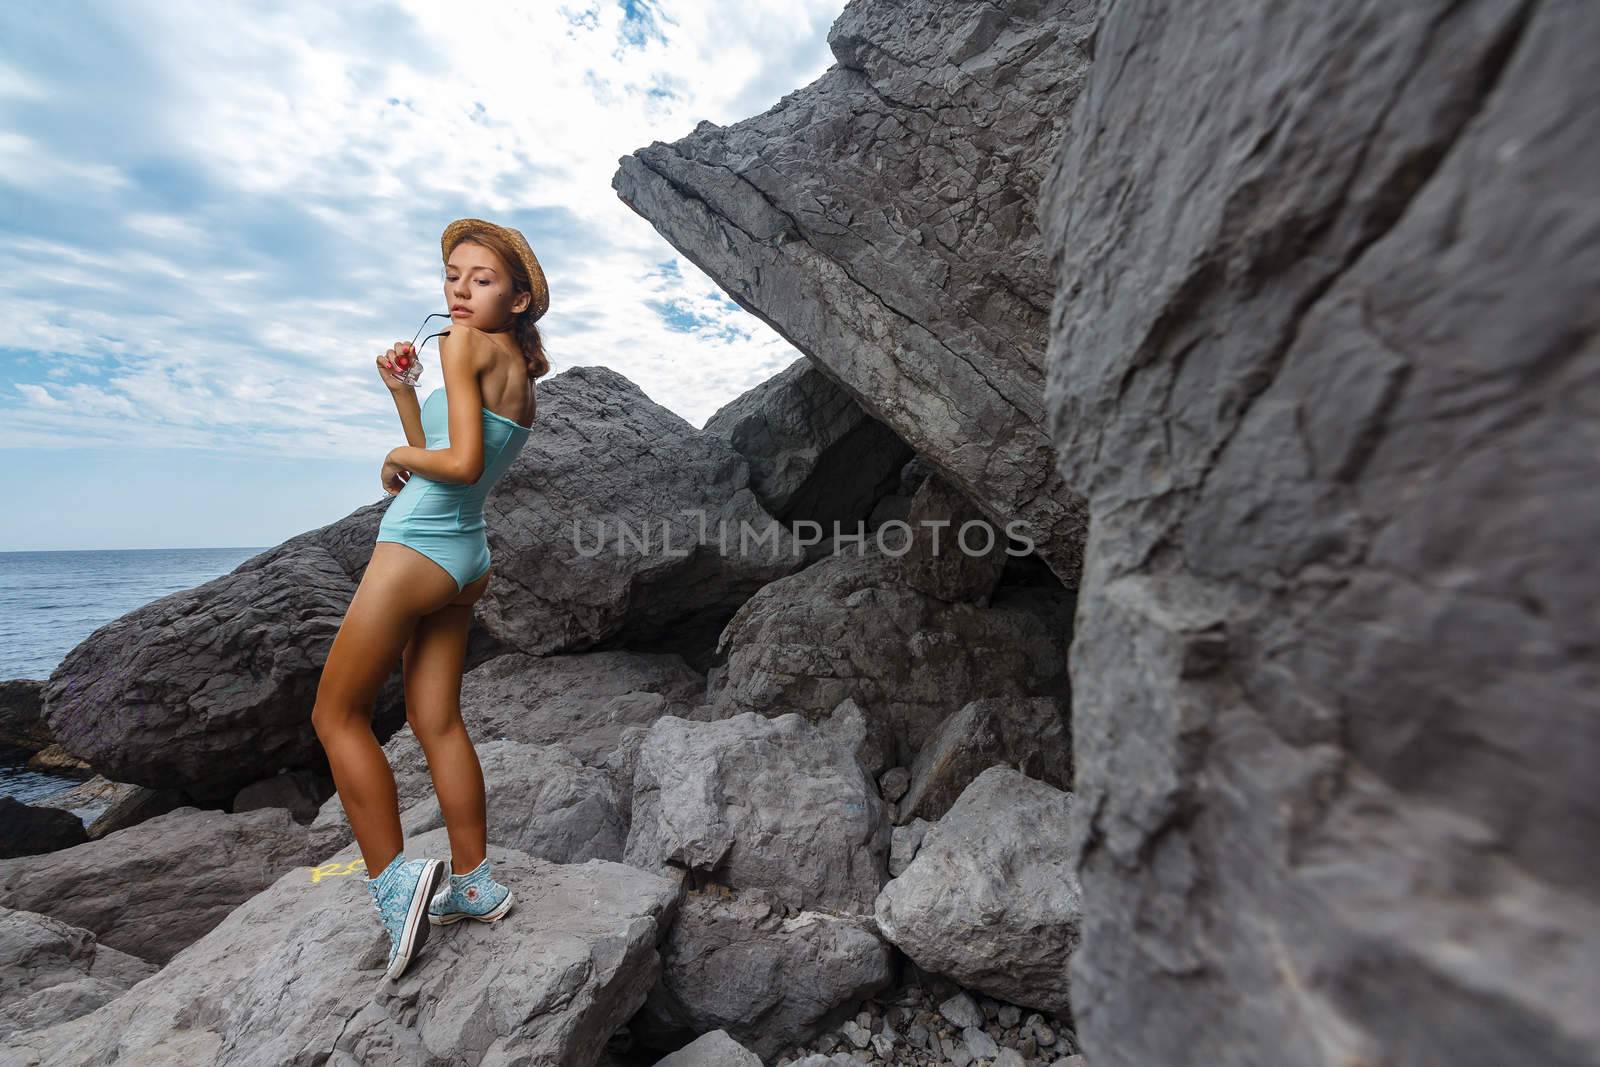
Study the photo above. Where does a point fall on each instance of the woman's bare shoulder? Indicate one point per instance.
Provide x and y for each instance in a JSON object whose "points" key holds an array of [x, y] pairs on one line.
{"points": [[471, 341]]}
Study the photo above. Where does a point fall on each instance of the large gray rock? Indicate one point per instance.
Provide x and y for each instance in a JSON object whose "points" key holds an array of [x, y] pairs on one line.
{"points": [[851, 627], [153, 888], [29, 830], [620, 523], [760, 803], [882, 219], [814, 454], [22, 722], [51, 971], [211, 688], [715, 1049], [583, 702], [991, 899], [770, 981], [1325, 363], [295, 975]]}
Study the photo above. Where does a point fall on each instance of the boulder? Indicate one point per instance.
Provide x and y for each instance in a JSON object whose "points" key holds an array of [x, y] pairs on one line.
{"points": [[760, 803], [152, 889], [620, 524], [734, 962], [850, 626], [51, 971], [301, 792], [211, 688], [549, 983], [951, 550], [28, 830], [715, 1049], [814, 454], [104, 805], [22, 722], [1323, 360], [903, 845], [582, 701], [1034, 736], [991, 899], [56, 758], [865, 735], [882, 219]]}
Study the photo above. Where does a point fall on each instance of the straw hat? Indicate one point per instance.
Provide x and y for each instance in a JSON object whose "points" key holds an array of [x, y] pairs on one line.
{"points": [[460, 228]]}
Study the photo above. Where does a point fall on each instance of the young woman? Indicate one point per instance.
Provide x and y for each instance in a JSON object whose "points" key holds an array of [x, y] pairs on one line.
{"points": [[429, 565]]}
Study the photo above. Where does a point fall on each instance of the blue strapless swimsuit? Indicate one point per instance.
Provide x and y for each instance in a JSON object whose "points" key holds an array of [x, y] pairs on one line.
{"points": [[444, 520]]}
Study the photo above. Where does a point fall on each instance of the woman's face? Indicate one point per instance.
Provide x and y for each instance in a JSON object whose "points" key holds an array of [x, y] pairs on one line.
{"points": [[477, 289]]}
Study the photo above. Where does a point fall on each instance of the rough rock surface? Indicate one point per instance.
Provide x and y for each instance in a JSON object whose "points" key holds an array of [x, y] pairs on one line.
{"points": [[546, 984], [814, 454], [882, 219], [904, 843], [22, 722], [715, 1049], [1324, 361], [582, 701], [301, 792], [991, 899], [739, 964], [104, 805], [850, 627], [950, 550], [591, 540], [866, 736], [1033, 736], [51, 971], [760, 803], [153, 888], [29, 830]]}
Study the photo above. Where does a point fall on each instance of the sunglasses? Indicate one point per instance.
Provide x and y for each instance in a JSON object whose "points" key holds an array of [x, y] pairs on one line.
{"points": [[414, 372]]}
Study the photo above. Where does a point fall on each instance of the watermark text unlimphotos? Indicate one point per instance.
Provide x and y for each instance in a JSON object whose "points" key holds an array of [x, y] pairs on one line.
{"points": [[895, 537]]}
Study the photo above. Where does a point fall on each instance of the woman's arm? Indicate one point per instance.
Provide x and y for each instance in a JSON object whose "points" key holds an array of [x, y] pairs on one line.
{"points": [[405, 402], [464, 353]]}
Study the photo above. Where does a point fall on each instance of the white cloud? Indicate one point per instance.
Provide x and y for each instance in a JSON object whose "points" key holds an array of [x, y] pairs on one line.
{"points": [[270, 221], [27, 164]]}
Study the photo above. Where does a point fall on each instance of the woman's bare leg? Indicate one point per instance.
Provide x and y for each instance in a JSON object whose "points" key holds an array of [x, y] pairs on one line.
{"points": [[433, 665], [400, 586]]}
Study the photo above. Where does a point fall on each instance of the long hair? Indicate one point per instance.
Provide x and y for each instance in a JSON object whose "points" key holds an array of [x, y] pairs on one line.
{"points": [[525, 330]]}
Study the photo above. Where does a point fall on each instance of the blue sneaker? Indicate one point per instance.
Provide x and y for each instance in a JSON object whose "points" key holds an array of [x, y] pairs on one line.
{"points": [[474, 895], [400, 895]]}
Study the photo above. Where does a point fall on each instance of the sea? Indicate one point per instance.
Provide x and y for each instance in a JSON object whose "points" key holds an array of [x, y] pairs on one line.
{"points": [[50, 601]]}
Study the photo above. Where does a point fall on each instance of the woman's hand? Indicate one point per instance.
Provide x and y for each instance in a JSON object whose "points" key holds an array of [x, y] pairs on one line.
{"points": [[388, 366], [393, 477]]}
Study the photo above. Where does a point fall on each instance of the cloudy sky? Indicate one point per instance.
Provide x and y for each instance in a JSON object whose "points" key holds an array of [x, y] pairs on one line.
{"points": [[213, 217]]}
